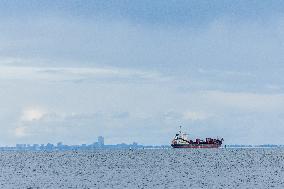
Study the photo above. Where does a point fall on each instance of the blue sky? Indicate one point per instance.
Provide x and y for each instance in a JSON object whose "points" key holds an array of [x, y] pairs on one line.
{"points": [[136, 70]]}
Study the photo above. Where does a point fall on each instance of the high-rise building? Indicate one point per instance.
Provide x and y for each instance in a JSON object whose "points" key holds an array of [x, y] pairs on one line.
{"points": [[101, 141]]}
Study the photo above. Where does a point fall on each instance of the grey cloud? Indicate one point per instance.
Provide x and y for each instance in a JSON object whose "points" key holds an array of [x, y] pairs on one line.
{"points": [[103, 74]]}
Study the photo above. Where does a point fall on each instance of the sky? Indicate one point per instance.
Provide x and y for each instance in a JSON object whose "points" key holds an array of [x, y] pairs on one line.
{"points": [[133, 71]]}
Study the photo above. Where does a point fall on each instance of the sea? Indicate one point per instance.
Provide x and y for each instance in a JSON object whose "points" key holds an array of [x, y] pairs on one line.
{"points": [[145, 168]]}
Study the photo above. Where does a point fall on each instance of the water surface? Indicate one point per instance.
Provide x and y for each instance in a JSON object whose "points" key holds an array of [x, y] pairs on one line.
{"points": [[169, 168]]}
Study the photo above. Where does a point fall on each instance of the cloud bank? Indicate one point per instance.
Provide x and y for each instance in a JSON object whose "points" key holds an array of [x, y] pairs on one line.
{"points": [[70, 71]]}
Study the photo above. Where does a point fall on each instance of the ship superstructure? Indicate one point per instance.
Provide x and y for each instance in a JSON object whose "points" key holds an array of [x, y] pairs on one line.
{"points": [[181, 140]]}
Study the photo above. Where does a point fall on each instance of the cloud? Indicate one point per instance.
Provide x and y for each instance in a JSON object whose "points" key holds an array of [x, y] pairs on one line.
{"points": [[196, 116], [20, 131], [245, 101], [36, 121], [78, 73], [32, 114], [100, 73]]}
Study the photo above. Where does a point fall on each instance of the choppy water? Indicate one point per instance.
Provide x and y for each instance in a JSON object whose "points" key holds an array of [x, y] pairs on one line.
{"points": [[172, 168]]}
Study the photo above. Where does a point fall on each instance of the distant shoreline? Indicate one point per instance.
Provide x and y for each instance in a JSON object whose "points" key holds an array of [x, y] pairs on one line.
{"points": [[134, 146]]}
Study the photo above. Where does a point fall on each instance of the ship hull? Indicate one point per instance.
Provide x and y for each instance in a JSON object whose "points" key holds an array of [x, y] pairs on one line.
{"points": [[196, 145]]}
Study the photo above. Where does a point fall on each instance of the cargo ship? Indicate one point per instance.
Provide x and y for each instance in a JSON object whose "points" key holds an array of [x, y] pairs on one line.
{"points": [[181, 140]]}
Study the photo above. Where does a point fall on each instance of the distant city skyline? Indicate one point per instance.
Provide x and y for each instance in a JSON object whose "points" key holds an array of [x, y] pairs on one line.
{"points": [[136, 70], [100, 145]]}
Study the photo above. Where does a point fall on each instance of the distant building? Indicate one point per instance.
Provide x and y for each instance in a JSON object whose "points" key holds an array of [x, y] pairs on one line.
{"points": [[101, 141], [21, 146], [59, 144], [49, 147], [35, 147]]}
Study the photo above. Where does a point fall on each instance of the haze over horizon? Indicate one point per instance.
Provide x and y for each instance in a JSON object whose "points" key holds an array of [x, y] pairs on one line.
{"points": [[136, 70]]}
